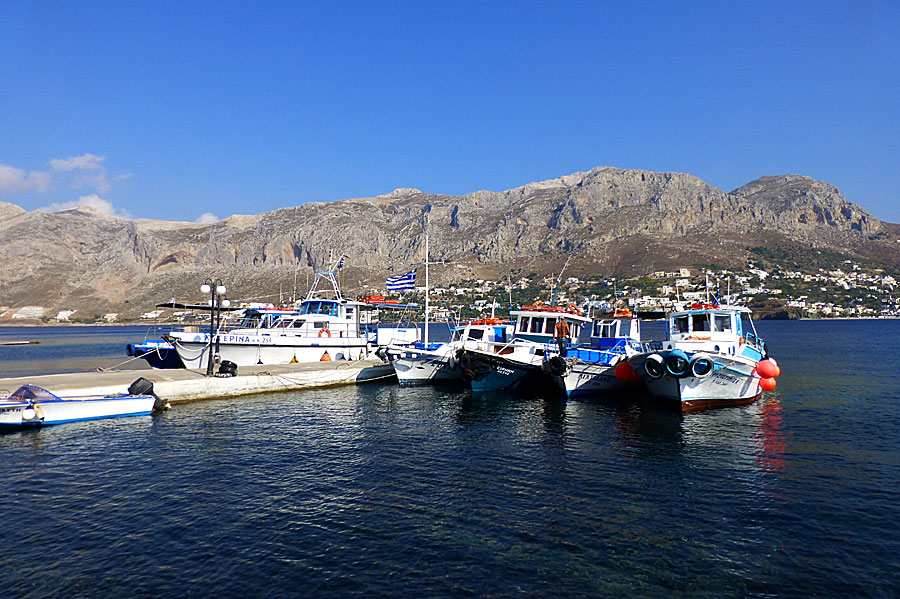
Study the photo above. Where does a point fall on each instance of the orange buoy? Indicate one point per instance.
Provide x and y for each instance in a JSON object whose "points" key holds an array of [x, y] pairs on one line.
{"points": [[767, 384], [325, 357]]}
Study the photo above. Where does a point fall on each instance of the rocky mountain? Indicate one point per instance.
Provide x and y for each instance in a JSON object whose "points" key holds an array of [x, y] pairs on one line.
{"points": [[609, 221]]}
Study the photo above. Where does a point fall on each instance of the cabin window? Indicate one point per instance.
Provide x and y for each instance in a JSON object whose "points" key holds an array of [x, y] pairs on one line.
{"points": [[723, 322], [701, 322], [605, 329], [537, 325], [625, 328], [523, 324], [251, 322], [680, 324], [321, 324], [746, 325], [476, 333], [349, 312], [298, 323]]}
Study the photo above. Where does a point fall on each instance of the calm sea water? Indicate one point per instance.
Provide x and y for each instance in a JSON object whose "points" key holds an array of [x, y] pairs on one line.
{"points": [[379, 491]]}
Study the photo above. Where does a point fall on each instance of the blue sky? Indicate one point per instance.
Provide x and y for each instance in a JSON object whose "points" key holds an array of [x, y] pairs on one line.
{"points": [[183, 109]]}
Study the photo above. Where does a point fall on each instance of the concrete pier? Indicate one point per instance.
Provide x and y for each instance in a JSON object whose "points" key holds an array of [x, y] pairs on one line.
{"points": [[181, 385]]}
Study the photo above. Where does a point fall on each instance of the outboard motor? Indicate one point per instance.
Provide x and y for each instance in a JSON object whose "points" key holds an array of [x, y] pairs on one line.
{"points": [[144, 387]]}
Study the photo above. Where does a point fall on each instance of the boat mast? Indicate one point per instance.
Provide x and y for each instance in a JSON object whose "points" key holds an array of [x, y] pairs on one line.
{"points": [[426, 282], [559, 280]]}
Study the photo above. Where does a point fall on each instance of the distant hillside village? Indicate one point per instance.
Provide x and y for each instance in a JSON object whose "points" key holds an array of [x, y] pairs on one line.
{"points": [[849, 292], [853, 293]]}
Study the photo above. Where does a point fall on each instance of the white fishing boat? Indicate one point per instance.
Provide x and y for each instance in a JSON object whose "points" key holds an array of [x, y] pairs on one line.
{"points": [[712, 356], [419, 364], [601, 366], [325, 326], [510, 365], [31, 405]]}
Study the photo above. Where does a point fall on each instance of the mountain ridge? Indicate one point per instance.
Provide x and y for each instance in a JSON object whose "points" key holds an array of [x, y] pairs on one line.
{"points": [[611, 221]]}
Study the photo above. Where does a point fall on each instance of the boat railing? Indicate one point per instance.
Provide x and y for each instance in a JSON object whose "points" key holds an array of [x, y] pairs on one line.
{"points": [[332, 330]]}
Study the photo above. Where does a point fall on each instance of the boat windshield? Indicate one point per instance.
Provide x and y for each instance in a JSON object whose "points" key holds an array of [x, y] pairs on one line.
{"points": [[32, 393], [317, 307], [251, 321]]}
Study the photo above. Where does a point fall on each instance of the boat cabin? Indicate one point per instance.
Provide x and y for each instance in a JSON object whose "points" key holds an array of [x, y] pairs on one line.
{"points": [[537, 323], [609, 332], [722, 329]]}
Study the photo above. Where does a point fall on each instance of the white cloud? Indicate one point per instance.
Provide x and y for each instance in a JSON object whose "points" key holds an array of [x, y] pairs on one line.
{"points": [[93, 202], [98, 182], [85, 162], [15, 179], [207, 218]]}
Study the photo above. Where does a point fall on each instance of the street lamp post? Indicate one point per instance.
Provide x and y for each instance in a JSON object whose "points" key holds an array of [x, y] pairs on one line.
{"points": [[216, 291]]}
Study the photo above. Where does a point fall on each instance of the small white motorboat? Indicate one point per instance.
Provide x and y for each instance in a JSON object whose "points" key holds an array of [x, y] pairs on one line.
{"points": [[31, 405]]}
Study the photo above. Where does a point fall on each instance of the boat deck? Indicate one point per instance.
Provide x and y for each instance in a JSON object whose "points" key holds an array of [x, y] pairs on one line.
{"points": [[181, 385]]}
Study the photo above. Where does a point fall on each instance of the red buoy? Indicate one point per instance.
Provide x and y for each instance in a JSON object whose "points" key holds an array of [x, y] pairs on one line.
{"points": [[623, 371], [767, 369], [767, 384]]}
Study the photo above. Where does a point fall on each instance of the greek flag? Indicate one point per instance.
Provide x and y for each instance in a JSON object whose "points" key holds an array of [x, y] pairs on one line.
{"points": [[407, 281]]}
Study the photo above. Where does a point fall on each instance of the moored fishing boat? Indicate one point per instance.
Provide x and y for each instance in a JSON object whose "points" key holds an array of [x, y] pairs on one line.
{"points": [[418, 364], [519, 361], [712, 356], [601, 366], [32, 406]]}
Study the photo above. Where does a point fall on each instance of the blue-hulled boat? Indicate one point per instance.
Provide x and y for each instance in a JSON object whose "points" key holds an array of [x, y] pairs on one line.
{"points": [[159, 353]]}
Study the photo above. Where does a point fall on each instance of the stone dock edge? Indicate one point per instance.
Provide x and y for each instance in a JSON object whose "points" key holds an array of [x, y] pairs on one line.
{"points": [[182, 385]]}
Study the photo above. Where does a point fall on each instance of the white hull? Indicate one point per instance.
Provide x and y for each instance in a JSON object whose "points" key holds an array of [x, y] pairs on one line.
{"points": [[16, 413], [590, 379], [733, 382], [419, 367], [251, 350]]}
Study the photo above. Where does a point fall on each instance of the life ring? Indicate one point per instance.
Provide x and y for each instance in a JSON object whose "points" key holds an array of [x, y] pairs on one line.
{"points": [[324, 331], [699, 337], [576, 310]]}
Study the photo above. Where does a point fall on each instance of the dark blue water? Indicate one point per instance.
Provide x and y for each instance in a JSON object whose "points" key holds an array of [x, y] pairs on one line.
{"points": [[379, 491], [64, 349]]}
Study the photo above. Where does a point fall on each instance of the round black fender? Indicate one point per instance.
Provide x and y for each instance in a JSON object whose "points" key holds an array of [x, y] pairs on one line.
{"points": [[702, 366], [227, 367], [557, 365], [480, 369], [653, 365], [677, 363], [464, 361]]}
